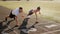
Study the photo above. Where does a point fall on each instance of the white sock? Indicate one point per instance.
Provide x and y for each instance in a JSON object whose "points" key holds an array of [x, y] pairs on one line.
{"points": [[28, 16]]}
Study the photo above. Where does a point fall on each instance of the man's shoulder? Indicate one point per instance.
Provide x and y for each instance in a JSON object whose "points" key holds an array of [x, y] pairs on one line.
{"points": [[16, 9]]}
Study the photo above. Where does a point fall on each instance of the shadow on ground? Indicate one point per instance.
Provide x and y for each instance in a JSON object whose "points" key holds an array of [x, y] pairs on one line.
{"points": [[2, 27]]}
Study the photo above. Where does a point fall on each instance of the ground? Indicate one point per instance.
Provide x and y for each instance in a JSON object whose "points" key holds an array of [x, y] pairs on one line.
{"points": [[45, 26]]}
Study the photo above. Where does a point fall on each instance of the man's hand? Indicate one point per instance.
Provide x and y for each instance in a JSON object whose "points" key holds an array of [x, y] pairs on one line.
{"points": [[22, 16], [39, 13], [17, 24]]}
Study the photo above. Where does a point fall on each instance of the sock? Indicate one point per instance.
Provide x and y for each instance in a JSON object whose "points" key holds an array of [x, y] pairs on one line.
{"points": [[5, 19]]}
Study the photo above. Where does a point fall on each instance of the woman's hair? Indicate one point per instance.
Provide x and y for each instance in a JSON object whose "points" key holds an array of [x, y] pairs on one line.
{"points": [[38, 8], [20, 8]]}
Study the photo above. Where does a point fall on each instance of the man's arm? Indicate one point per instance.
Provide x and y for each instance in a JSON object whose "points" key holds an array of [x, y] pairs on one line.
{"points": [[23, 14], [16, 20], [39, 12]]}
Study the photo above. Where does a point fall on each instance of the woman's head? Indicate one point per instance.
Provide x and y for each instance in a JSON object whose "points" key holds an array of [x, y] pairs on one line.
{"points": [[20, 9], [38, 8]]}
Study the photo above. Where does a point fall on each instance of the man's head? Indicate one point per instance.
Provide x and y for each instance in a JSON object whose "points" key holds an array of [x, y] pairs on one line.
{"points": [[20, 9], [38, 8]]}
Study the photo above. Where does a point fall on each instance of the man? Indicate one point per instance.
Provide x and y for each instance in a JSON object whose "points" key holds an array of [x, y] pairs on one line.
{"points": [[14, 14], [34, 11]]}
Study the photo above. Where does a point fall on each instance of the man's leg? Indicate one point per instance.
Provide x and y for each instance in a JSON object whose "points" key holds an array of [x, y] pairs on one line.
{"points": [[6, 18], [29, 14]]}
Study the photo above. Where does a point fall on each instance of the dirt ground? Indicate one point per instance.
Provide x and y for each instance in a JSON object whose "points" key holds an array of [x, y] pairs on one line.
{"points": [[44, 26]]}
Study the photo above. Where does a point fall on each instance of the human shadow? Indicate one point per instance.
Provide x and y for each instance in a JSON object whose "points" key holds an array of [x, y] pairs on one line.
{"points": [[24, 24], [11, 29], [2, 27]]}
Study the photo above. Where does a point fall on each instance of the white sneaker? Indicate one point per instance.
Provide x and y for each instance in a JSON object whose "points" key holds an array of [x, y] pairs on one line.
{"points": [[4, 33], [25, 30], [33, 30]]}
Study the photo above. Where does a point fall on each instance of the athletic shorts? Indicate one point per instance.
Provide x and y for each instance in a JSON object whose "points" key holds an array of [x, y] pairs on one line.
{"points": [[30, 13], [11, 15]]}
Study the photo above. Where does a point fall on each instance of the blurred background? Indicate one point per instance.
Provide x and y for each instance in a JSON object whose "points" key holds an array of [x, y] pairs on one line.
{"points": [[50, 9], [29, 0]]}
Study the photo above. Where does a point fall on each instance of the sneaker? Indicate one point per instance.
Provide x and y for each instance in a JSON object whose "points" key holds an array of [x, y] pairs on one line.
{"points": [[16, 25], [25, 30], [33, 29], [5, 19]]}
